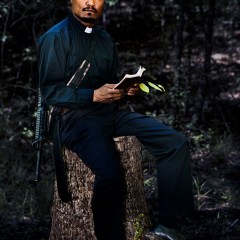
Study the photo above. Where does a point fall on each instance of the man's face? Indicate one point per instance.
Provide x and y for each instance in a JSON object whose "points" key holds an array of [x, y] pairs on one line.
{"points": [[87, 11]]}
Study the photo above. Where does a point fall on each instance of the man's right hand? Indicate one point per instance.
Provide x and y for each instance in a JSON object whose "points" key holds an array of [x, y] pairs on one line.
{"points": [[107, 94]]}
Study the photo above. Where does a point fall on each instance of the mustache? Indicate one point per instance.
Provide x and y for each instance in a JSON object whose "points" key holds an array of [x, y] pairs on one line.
{"points": [[92, 9]]}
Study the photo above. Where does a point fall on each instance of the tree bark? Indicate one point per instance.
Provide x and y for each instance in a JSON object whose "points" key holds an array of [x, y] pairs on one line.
{"points": [[74, 220], [179, 44], [202, 89]]}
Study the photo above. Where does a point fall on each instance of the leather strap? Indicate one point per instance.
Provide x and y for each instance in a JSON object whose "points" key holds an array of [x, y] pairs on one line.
{"points": [[61, 177]]}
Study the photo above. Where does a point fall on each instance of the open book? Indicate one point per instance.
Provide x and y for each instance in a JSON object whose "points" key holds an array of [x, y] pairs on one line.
{"points": [[130, 79]]}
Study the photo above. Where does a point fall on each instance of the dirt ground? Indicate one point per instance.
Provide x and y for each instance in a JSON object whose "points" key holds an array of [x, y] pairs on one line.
{"points": [[217, 206]]}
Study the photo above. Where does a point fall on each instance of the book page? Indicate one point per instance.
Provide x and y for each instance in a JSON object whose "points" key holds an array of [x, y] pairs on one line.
{"points": [[130, 79]]}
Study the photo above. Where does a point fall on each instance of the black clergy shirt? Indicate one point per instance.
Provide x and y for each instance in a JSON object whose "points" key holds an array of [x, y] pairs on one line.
{"points": [[60, 52]]}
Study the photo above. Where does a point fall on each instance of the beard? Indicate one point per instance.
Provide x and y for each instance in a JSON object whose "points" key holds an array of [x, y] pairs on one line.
{"points": [[87, 19]]}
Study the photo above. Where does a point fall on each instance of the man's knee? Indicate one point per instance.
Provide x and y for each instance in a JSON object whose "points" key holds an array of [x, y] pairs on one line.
{"points": [[180, 140], [178, 144], [170, 144]]}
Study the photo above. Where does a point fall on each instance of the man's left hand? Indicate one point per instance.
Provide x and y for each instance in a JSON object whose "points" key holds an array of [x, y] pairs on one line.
{"points": [[134, 90]]}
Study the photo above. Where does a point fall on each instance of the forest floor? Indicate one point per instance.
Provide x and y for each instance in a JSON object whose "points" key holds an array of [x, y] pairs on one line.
{"points": [[217, 205]]}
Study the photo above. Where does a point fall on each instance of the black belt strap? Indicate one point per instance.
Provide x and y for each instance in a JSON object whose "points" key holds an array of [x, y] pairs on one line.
{"points": [[61, 177]]}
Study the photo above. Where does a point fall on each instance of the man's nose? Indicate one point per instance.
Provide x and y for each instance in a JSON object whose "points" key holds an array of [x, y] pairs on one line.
{"points": [[90, 2]]}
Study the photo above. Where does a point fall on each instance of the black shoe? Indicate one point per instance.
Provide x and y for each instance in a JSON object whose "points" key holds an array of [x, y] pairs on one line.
{"points": [[168, 233]]}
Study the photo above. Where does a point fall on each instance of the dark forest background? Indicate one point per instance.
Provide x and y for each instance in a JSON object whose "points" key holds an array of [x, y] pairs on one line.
{"points": [[192, 48]]}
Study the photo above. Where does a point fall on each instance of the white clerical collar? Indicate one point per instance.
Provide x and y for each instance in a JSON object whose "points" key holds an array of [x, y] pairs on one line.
{"points": [[88, 30]]}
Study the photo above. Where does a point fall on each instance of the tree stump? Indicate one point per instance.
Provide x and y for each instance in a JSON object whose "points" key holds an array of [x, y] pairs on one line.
{"points": [[74, 220]]}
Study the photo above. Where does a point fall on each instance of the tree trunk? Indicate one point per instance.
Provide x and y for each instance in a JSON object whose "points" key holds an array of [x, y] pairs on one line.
{"points": [[208, 31], [179, 44], [74, 220]]}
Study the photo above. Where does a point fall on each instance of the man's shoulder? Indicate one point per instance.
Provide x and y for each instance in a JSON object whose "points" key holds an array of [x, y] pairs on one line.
{"points": [[58, 30]]}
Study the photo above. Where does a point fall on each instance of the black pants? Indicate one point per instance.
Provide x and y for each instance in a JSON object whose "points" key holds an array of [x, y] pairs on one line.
{"points": [[90, 134]]}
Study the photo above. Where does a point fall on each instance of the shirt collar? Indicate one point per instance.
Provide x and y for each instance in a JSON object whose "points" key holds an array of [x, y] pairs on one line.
{"points": [[80, 26], [88, 30]]}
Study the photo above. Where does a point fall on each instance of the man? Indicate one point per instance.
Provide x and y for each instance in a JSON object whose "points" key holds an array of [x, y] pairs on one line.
{"points": [[91, 118]]}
